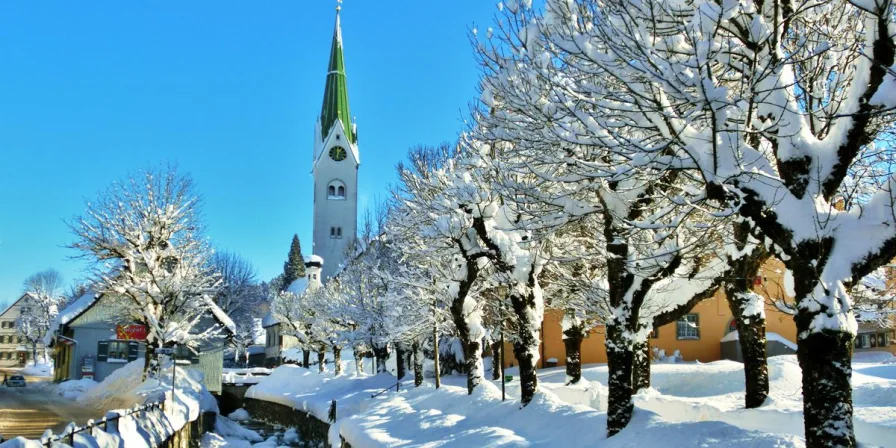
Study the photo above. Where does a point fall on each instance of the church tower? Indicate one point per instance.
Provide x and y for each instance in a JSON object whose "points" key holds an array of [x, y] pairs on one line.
{"points": [[335, 168]]}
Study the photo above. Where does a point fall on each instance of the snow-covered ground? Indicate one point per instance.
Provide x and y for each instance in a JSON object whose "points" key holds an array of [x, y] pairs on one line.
{"points": [[690, 404], [715, 392]]}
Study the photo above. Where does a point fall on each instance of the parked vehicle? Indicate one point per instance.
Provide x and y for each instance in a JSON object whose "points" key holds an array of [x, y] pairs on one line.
{"points": [[15, 381]]}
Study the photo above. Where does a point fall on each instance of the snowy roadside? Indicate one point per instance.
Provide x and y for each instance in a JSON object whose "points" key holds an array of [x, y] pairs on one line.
{"points": [[689, 404], [122, 390]]}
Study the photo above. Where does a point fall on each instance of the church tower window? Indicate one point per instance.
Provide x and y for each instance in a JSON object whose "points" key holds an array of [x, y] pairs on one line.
{"points": [[336, 190], [335, 232]]}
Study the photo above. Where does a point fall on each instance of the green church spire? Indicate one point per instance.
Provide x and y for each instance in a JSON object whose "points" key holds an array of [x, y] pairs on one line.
{"points": [[336, 91]]}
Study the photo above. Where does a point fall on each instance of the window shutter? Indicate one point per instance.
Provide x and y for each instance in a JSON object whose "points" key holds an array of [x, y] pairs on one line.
{"points": [[102, 351], [697, 324], [133, 348], [194, 356]]}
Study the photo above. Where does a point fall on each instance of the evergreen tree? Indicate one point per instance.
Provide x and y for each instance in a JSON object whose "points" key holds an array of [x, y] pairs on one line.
{"points": [[294, 267]]}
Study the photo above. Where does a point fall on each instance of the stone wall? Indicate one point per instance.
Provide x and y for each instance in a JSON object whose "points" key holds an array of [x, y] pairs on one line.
{"points": [[310, 428], [190, 435]]}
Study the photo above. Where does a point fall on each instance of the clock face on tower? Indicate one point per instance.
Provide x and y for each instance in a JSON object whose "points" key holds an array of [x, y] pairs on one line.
{"points": [[337, 153]]}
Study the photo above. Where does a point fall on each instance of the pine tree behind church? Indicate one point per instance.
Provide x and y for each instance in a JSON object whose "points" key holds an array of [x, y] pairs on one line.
{"points": [[294, 267]]}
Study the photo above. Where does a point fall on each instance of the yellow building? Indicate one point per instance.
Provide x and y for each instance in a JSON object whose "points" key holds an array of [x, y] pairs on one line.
{"points": [[698, 335]]}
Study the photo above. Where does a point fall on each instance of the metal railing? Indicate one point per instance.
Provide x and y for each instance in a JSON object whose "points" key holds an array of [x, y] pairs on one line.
{"points": [[396, 386], [71, 431]]}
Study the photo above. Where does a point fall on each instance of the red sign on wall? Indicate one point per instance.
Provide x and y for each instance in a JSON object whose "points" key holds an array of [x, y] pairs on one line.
{"points": [[133, 332]]}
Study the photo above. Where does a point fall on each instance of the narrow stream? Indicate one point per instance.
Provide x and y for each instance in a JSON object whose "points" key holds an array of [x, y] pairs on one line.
{"points": [[284, 436]]}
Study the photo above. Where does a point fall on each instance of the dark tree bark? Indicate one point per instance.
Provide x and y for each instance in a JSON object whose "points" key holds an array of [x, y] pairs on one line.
{"points": [[641, 366], [399, 362], [825, 357], [497, 362], [528, 322], [381, 352], [620, 359], [750, 325], [337, 360], [417, 350], [306, 358], [472, 347], [321, 361], [572, 340], [527, 341]]}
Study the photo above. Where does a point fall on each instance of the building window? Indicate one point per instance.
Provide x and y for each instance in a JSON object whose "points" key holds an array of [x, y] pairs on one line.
{"points": [[186, 354], [688, 327], [117, 351], [862, 341], [335, 232], [655, 333], [336, 190]]}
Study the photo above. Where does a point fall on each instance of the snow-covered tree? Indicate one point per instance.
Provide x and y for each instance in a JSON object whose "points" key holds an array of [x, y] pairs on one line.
{"points": [[766, 104], [241, 297], [432, 222], [43, 292], [144, 238]]}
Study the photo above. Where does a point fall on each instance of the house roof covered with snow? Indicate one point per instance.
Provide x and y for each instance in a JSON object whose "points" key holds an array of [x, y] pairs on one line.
{"points": [[269, 320], [71, 312], [298, 286]]}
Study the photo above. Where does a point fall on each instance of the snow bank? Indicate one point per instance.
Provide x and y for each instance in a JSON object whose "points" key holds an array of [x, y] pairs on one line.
{"points": [[683, 393], [448, 416], [733, 336], [312, 392], [228, 428], [41, 369], [119, 389], [142, 429], [73, 389], [239, 415]]}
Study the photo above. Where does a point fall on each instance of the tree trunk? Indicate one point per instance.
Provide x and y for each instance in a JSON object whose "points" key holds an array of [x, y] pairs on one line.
{"points": [[381, 352], [826, 360], [337, 360], [306, 358], [497, 362], [749, 316], [418, 363], [472, 347], [34, 354], [572, 340], [359, 361], [321, 361], [641, 366], [752, 341], [399, 362], [620, 360], [435, 356], [528, 339], [825, 354], [471, 343]]}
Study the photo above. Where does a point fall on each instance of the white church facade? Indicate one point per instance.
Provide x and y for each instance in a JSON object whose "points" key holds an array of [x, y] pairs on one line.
{"points": [[335, 166]]}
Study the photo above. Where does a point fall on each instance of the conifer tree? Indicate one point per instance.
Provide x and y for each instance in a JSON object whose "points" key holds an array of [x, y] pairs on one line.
{"points": [[294, 267]]}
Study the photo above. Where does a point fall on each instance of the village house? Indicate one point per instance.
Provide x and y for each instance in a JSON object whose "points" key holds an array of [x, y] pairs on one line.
{"points": [[94, 336], [280, 347], [708, 332], [13, 352]]}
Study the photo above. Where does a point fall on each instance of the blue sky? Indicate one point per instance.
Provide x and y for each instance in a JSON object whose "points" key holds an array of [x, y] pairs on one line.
{"points": [[228, 90]]}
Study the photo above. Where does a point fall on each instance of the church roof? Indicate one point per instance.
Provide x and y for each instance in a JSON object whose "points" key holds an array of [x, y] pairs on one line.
{"points": [[335, 106]]}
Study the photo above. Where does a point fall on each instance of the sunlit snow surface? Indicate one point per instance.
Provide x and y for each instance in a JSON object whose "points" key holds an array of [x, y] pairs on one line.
{"points": [[690, 404]]}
